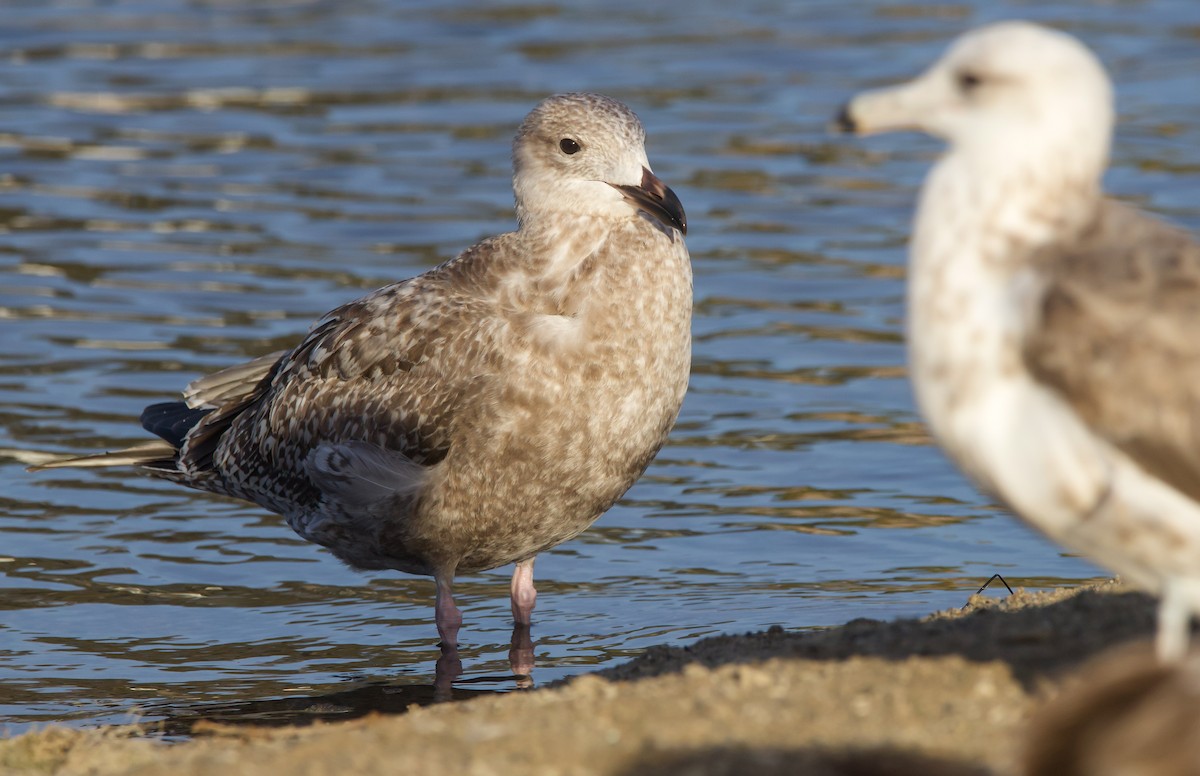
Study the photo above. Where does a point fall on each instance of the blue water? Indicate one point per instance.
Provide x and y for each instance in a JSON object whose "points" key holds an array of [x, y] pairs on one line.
{"points": [[184, 185]]}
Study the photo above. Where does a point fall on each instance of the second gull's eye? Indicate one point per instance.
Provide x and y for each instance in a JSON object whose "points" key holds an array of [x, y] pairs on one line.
{"points": [[967, 81]]}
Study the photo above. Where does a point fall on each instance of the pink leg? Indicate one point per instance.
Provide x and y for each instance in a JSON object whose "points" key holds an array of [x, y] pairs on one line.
{"points": [[446, 614], [523, 594]]}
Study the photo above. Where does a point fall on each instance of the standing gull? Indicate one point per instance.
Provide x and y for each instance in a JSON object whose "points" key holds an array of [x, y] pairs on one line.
{"points": [[1054, 334], [484, 411]]}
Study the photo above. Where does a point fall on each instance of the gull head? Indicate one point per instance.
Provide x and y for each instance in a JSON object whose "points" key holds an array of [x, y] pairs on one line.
{"points": [[1012, 95], [584, 155]]}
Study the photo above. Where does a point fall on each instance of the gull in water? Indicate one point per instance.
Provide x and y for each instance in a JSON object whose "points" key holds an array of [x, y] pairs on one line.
{"points": [[1053, 333], [482, 412]]}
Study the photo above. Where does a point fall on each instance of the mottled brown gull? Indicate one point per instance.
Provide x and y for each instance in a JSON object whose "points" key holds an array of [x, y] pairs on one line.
{"points": [[484, 411], [1054, 334]]}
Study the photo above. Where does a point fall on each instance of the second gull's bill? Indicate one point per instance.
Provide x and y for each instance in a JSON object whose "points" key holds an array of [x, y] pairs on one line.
{"points": [[480, 413], [1053, 333]]}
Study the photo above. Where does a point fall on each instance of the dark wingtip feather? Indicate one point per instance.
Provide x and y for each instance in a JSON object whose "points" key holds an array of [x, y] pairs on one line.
{"points": [[171, 420]]}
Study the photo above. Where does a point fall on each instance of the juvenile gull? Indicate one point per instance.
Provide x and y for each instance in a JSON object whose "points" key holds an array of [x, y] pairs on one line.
{"points": [[1054, 334], [484, 411]]}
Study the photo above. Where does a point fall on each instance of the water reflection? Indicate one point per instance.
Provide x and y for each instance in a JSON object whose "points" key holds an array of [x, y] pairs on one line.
{"points": [[304, 705], [303, 709], [449, 667]]}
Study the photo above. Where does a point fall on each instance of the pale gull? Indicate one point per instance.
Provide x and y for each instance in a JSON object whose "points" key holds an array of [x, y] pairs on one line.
{"points": [[1053, 334], [484, 411]]}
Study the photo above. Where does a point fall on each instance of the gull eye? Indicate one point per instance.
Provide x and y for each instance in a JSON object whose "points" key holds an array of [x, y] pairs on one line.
{"points": [[568, 146], [968, 81]]}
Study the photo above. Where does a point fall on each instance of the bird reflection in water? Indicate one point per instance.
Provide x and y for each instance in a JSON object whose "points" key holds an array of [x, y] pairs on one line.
{"points": [[520, 661], [371, 698]]}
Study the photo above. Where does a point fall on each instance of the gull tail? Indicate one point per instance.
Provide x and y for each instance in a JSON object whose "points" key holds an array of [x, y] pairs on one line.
{"points": [[155, 454], [171, 420], [188, 440]]}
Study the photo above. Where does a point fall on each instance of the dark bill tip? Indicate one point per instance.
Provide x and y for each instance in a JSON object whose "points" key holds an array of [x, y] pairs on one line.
{"points": [[843, 122], [655, 199]]}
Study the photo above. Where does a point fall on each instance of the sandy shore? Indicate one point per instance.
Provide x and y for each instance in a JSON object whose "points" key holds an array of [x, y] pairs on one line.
{"points": [[952, 693]]}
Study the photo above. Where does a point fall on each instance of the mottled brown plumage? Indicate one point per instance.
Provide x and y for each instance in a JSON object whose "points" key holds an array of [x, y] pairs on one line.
{"points": [[488, 409]]}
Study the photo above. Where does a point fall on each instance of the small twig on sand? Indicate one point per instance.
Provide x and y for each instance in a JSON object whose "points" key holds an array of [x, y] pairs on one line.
{"points": [[984, 586]]}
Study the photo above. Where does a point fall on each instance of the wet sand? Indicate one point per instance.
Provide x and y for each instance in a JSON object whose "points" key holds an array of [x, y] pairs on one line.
{"points": [[952, 693]]}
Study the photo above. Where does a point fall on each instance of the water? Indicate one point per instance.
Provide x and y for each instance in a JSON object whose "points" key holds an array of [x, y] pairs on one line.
{"points": [[184, 185]]}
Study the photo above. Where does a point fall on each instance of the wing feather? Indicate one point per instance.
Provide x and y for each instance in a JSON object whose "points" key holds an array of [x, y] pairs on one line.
{"points": [[1116, 332], [362, 475], [388, 372], [230, 385]]}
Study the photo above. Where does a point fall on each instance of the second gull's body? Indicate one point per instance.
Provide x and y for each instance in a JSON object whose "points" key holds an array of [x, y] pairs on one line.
{"points": [[1054, 334]]}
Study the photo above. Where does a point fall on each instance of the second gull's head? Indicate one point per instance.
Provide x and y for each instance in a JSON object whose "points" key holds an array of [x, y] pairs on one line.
{"points": [[1011, 95]]}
